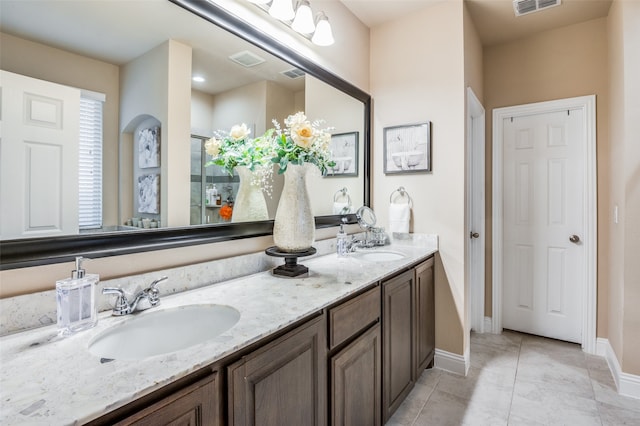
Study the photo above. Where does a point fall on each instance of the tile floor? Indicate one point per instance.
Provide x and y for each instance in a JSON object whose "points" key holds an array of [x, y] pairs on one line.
{"points": [[518, 379]]}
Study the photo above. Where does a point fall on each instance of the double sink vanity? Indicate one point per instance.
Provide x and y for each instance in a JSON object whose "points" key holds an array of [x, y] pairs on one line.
{"points": [[341, 346]]}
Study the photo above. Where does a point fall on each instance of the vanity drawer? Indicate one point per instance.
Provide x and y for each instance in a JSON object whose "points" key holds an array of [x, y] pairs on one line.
{"points": [[353, 316]]}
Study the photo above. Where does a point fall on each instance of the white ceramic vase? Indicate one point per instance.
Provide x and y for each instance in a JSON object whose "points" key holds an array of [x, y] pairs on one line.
{"points": [[294, 226], [250, 204]]}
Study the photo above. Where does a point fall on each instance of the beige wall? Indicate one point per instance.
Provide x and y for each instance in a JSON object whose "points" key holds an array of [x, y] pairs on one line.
{"points": [[416, 77], [343, 114], [47, 63], [624, 185], [556, 64]]}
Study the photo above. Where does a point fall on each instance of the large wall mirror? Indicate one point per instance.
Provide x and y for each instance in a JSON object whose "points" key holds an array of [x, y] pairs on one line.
{"points": [[137, 60]]}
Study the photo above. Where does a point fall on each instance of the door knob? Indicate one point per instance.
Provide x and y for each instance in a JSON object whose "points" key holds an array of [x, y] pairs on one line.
{"points": [[474, 235], [574, 239]]}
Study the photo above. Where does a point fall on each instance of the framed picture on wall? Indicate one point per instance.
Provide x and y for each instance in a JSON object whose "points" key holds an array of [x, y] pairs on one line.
{"points": [[344, 151], [149, 148], [149, 194], [407, 148]]}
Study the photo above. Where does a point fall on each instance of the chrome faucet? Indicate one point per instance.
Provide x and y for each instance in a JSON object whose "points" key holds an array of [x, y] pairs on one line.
{"points": [[145, 299], [356, 243]]}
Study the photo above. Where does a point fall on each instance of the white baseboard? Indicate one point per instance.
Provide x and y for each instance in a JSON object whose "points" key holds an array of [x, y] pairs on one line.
{"points": [[454, 363], [488, 325], [627, 384]]}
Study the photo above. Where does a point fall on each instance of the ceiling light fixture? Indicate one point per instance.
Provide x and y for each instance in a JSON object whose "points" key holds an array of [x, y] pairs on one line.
{"points": [[300, 19], [282, 10], [303, 22], [198, 79], [323, 35]]}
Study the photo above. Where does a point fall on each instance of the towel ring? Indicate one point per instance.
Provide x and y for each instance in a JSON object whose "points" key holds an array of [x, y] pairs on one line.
{"points": [[344, 192], [402, 193]]}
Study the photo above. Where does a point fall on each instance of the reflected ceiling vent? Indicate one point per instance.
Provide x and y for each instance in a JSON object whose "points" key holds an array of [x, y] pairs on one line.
{"points": [[246, 59], [293, 73], [524, 7]]}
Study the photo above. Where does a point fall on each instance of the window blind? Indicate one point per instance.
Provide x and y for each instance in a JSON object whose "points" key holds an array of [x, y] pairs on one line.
{"points": [[90, 159]]}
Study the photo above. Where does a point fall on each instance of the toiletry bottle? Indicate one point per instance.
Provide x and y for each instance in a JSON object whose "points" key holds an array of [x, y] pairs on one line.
{"points": [[76, 301], [217, 199], [341, 242], [207, 196]]}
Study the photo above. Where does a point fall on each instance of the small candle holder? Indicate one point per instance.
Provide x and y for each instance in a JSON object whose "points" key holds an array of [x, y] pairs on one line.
{"points": [[291, 267]]}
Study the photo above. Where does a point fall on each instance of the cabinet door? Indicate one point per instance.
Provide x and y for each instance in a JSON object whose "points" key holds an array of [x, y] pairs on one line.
{"points": [[195, 405], [284, 382], [425, 316], [398, 320], [356, 381]]}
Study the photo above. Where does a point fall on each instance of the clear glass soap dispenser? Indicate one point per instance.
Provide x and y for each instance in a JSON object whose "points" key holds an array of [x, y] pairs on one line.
{"points": [[76, 301], [341, 242]]}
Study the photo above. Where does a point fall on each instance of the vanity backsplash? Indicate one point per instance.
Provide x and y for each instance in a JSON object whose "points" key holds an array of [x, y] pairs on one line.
{"points": [[29, 311]]}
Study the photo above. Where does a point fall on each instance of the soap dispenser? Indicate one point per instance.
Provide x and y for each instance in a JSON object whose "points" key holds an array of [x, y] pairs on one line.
{"points": [[76, 301], [341, 241]]}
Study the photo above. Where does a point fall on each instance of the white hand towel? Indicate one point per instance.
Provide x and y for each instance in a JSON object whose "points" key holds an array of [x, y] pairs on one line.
{"points": [[341, 208], [399, 217]]}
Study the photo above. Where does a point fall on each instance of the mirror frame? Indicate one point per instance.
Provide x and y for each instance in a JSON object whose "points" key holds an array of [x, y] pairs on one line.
{"points": [[39, 251]]}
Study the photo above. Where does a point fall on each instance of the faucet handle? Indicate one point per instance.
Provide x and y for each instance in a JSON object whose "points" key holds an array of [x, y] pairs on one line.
{"points": [[156, 282], [154, 293], [121, 306]]}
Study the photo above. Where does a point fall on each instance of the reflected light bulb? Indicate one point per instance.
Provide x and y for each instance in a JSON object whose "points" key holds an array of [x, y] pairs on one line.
{"points": [[303, 22], [323, 35], [282, 10]]}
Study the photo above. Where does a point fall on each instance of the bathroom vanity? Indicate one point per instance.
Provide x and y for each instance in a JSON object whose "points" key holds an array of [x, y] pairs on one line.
{"points": [[341, 346]]}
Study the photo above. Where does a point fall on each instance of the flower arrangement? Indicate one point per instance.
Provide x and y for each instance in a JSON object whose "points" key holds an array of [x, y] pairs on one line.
{"points": [[302, 141], [236, 148]]}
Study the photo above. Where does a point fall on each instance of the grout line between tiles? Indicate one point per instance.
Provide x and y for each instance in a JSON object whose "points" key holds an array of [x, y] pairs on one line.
{"points": [[515, 379], [433, 389]]}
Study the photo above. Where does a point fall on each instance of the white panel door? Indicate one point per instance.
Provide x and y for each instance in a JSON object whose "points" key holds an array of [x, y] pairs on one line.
{"points": [[544, 260], [39, 132]]}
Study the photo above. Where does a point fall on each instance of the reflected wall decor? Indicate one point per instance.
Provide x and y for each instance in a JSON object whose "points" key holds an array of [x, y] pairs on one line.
{"points": [[407, 148], [344, 152], [149, 148], [149, 194]]}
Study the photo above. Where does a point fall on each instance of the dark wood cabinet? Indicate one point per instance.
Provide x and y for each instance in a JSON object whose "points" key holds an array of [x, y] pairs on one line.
{"points": [[283, 382], [195, 405], [425, 332], [355, 381], [355, 361], [353, 364], [398, 336]]}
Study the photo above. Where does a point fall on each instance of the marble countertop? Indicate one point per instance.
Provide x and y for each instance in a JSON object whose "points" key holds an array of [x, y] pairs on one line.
{"points": [[47, 379]]}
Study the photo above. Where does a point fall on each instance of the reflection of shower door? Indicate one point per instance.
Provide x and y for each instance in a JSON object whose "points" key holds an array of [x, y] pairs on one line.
{"points": [[201, 177], [198, 183]]}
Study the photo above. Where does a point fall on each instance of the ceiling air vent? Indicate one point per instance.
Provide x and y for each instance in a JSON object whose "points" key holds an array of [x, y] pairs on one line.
{"points": [[523, 7], [293, 73], [246, 59]]}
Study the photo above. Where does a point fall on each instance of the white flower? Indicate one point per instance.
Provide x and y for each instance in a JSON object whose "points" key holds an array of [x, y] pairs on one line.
{"points": [[324, 141], [302, 135], [239, 132], [212, 146], [296, 119]]}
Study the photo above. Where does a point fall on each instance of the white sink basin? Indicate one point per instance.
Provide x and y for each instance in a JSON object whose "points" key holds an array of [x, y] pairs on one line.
{"points": [[163, 331], [380, 255]]}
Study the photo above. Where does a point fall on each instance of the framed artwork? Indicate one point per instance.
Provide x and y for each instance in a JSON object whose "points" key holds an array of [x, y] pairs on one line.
{"points": [[344, 151], [149, 194], [149, 148], [407, 149]]}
